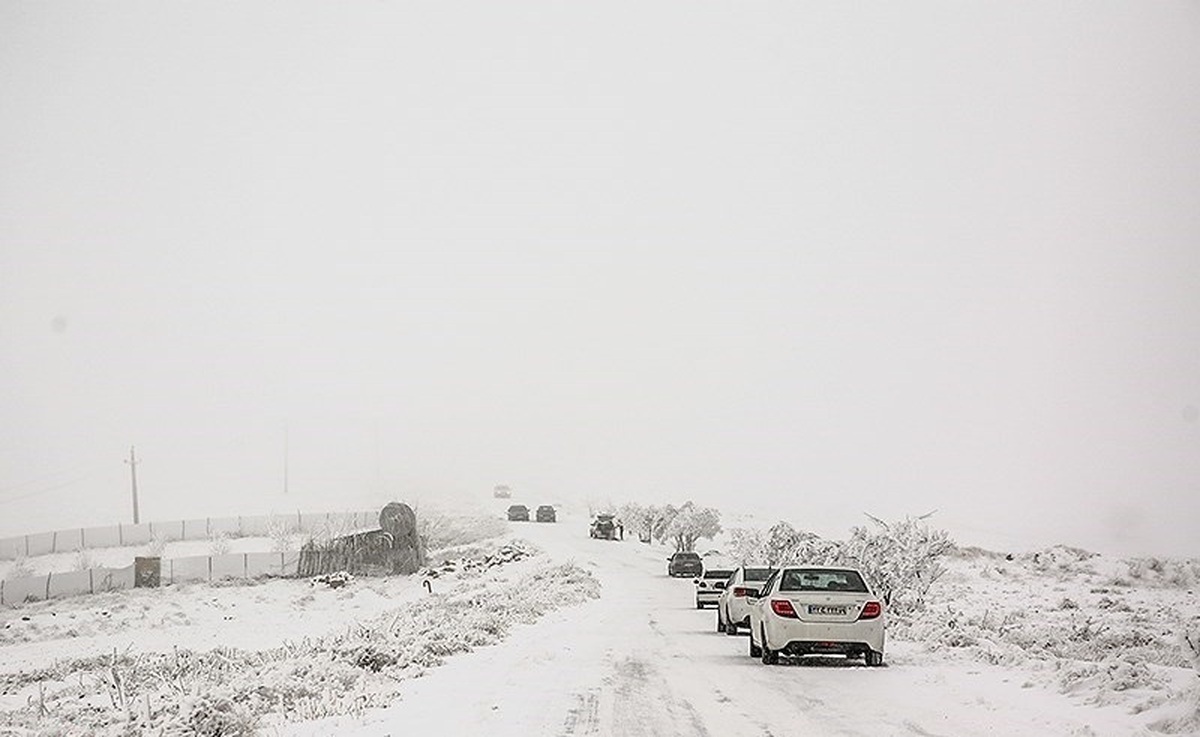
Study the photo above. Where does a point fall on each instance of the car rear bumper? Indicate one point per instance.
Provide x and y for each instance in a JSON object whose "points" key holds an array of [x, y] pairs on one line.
{"points": [[798, 648], [803, 638], [707, 597]]}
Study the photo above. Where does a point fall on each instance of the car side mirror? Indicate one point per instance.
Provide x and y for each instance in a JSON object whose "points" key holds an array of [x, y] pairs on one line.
{"points": [[696, 581]]}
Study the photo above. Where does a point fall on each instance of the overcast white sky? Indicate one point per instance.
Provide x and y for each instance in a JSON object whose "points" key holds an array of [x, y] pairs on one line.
{"points": [[806, 260]]}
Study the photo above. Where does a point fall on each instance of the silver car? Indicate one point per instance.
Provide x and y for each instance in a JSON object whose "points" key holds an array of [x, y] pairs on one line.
{"points": [[816, 610], [710, 584]]}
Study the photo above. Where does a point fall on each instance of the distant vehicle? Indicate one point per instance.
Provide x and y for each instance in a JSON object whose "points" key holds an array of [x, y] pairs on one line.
{"points": [[502, 492], [816, 610], [685, 564], [733, 611], [710, 584], [546, 513], [604, 527], [518, 513]]}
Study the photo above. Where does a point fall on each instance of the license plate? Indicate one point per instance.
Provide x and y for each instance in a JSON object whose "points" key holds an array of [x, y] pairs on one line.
{"points": [[826, 610]]}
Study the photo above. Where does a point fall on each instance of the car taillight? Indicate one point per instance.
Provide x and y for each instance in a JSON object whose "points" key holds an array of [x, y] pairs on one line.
{"points": [[871, 610], [741, 591], [783, 608]]}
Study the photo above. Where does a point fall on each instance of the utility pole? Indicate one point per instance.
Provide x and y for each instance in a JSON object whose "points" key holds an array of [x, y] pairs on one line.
{"points": [[132, 462]]}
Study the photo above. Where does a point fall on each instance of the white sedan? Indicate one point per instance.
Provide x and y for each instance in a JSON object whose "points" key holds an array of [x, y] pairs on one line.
{"points": [[816, 610], [733, 609], [710, 584]]}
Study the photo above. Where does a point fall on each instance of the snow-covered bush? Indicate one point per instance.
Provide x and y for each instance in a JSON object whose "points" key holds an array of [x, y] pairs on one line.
{"points": [[901, 559], [20, 568], [1190, 641], [439, 530]]}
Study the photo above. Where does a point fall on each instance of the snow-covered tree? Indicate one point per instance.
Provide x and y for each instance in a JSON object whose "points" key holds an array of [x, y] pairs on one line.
{"points": [[691, 523], [664, 517], [638, 519], [782, 544], [745, 545]]}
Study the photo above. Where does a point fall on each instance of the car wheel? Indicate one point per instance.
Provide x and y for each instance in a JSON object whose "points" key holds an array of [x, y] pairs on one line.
{"points": [[874, 658], [755, 650], [720, 622], [731, 628], [769, 656]]}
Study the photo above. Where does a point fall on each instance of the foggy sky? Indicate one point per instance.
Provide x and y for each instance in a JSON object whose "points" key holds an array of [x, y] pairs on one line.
{"points": [[800, 260]]}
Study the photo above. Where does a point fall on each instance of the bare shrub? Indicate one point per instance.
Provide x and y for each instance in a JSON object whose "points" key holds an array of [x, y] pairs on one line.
{"points": [[157, 545], [283, 535]]}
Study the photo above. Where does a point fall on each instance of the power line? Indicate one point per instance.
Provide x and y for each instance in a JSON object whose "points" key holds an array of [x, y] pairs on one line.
{"points": [[42, 478], [31, 494]]}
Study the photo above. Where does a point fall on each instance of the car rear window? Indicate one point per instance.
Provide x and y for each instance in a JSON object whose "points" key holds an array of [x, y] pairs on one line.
{"points": [[718, 574], [757, 574], [687, 556], [802, 579]]}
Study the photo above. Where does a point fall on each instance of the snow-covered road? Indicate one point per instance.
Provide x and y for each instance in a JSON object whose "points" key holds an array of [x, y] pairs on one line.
{"points": [[641, 660]]}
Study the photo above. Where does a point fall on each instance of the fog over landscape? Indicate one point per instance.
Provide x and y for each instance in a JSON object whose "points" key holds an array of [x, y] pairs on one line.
{"points": [[797, 262]]}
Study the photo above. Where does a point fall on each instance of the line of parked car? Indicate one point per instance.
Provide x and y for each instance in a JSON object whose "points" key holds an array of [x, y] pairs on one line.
{"points": [[520, 513], [794, 610]]}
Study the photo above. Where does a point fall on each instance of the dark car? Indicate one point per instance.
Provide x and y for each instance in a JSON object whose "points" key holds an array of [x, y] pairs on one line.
{"points": [[545, 513], [604, 527], [518, 513], [685, 564]]}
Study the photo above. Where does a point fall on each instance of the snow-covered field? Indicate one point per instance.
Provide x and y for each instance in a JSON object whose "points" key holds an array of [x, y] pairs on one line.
{"points": [[566, 635]]}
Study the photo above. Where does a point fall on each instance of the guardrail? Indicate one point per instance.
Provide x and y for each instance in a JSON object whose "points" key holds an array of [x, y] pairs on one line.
{"points": [[116, 536]]}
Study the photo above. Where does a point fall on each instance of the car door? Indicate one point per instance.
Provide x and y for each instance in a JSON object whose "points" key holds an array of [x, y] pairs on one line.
{"points": [[756, 603]]}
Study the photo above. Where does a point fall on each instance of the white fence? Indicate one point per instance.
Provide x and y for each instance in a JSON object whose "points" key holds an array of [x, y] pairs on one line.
{"points": [[174, 570], [114, 536]]}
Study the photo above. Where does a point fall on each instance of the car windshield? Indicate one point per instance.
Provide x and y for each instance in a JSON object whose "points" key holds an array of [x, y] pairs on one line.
{"points": [[687, 556], [803, 579], [757, 574], [721, 574]]}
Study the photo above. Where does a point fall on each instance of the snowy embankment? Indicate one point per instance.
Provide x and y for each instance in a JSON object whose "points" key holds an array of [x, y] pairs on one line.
{"points": [[1106, 631], [227, 659]]}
